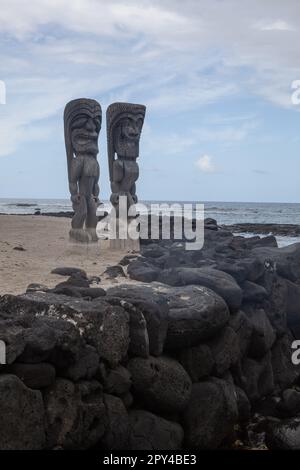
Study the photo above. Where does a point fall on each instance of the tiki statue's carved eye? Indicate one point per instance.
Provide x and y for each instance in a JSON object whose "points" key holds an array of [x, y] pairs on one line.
{"points": [[131, 129]]}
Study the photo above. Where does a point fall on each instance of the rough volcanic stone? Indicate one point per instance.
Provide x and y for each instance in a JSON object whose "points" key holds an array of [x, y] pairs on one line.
{"points": [[13, 337], [285, 259], [22, 415], [154, 251], [91, 292], [196, 314], [75, 414], [151, 305], [75, 280], [85, 367], [138, 332], [258, 380], [117, 381], [117, 431], [225, 351], [290, 403], [114, 271], [198, 361], [211, 414], [83, 292], [139, 337], [68, 271], [70, 291], [210, 224], [284, 435], [219, 281], [151, 432], [127, 259], [162, 383], [34, 376], [33, 287], [143, 272], [54, 328]]}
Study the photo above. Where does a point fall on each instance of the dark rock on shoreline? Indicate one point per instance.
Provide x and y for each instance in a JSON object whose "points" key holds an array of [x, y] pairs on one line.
{"points": [[69, 271], [275, 229], [35, 376], [161, 383], [196, 314], [149, 304], [201, 359], [22, 416], [220, 282], [210, 415], [149, 432]]}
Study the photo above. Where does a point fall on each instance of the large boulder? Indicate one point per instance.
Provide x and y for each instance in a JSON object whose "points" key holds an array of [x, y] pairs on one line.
{"points": [[149, 305], [75, 414], [196, 314], [69, 271], [198, 361], [151, 432], [284, 435], [219, 281], [117, 381], [142, 271], [117, 431], [138, 331], [87, 293], [191, 313], [49, 327], [211, 414], [286, 259], [162, 383], [85, 367], [22, 416], [34, 376], [290, 403]]}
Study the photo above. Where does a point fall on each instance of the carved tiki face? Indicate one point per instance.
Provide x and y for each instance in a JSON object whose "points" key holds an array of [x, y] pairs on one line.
{"points": [[83, 119], [124, 126]]}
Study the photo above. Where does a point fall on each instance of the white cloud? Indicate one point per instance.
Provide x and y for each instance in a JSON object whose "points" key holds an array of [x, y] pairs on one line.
{"points": [[206, 164], [173, 56], [278, 25]]}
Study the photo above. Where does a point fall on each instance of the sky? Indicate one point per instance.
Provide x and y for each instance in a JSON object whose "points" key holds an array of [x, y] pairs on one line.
{"points": [[216, 77]]}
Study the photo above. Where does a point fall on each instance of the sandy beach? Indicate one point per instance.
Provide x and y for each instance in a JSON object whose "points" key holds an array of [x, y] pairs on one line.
{"points": [[46, 245]]}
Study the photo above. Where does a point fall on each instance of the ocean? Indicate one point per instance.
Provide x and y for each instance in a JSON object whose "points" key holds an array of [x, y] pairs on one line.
{"points": [[227, 213]]}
